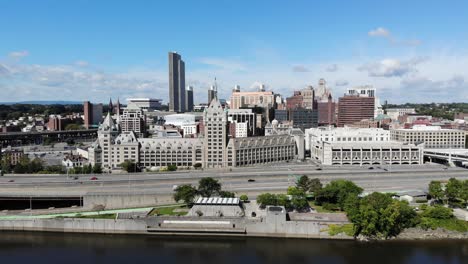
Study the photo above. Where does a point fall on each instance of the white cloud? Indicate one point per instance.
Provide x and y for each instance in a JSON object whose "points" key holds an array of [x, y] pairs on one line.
{"points": [[379, 32], [18, 54], [300, 68], [256, 85], [332, 68], [392, 67], [341, 83], [81, 63], [3, 70], [385, 33]]}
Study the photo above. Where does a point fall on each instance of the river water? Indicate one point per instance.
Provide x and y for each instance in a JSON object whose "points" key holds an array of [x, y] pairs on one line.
{"points": [[33, 248]]}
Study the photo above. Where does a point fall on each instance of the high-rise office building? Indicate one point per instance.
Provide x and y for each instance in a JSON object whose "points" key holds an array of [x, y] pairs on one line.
{"points": [[211, 93], [92, 114], [354, 108], [176, 83], [189, 99]]}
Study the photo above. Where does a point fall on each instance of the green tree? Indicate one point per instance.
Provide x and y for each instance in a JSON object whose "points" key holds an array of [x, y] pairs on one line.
{"points": [[308, 185], [172, 167], [436, 191], [22, 166], [396, 217], [299, 203], [244, 197], [464, 192], [438, 212], [295, 191], [265, 199], [336, 192], [130, 166], [453, 189], [378, 215], [185, 193], [226, 194], [208, 187], [315, 185], [97, 169], [6, 164], [283, 200]]}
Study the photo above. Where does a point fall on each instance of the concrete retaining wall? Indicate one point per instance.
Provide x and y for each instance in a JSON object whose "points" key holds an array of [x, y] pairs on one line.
{"points": [[116, 201], [105, 226]]}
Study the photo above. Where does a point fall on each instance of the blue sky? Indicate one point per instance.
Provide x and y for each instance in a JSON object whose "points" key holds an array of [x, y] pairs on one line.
{"points": [[90, 50]]}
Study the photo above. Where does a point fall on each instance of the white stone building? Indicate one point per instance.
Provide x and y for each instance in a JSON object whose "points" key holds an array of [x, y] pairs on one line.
{"points": [[367, 153], [213, 151], [394, 113], [344, 134], [431, 136]]}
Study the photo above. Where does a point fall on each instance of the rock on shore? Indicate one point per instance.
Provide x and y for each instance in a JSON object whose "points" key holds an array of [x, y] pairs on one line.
{"points": [[421, 234]]}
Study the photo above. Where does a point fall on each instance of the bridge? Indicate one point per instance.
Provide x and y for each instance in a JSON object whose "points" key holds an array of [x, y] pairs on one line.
{"points": [[37, 138]]}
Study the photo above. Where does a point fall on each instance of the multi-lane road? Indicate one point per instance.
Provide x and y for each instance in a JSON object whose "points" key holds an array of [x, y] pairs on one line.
{"points": [[266, 178]]}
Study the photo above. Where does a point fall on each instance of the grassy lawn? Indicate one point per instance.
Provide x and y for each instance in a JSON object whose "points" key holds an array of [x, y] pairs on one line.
{"points": [[168, 210], [347, 229], [452, 224], [98, 216]]}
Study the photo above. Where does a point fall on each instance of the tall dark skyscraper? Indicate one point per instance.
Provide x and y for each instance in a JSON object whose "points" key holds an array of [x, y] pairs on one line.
{"points": [[176, 83], [211, 94], [189, 99]]}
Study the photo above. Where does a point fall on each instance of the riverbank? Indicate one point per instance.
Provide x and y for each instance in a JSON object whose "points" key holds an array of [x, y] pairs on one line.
{"points": [[437, 234]]}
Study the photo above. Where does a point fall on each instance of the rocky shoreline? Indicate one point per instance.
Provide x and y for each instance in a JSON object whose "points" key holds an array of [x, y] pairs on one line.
{"points": [[417, 233]]}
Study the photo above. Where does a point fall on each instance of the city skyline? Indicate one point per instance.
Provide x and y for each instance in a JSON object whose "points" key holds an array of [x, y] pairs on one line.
{"points": [[102, 50]]}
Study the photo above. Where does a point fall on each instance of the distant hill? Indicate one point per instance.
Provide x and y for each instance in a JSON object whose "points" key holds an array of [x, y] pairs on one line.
{"points": [[43, 102]]}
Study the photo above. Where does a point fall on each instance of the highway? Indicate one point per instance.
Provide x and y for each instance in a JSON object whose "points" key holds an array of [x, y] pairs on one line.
{"points": [[271, 178]]}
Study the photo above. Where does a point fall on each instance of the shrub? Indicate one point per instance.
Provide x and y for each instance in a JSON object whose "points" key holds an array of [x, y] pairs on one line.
{"points": [[244, 197], [438, 212]]}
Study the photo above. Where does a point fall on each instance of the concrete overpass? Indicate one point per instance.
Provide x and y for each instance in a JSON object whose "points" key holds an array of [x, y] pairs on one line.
{"points": [[136, 190], [451, 156]]}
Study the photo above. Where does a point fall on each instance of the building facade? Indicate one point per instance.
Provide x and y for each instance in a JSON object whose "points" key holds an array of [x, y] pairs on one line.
{"points": [[92, 114], [214, 150], [176, 83], [189, 99], [133, 119], [366, 153], [244, 116], [331, 134], [394, 113], [354, 108], [264, 99], [216, 136], [145, 104], [433, 137]]}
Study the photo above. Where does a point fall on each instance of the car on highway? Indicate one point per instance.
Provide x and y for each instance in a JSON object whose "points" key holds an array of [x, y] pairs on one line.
{"points": [[251, 180], [11, 181], [318, 169], [76, 178], [93, 178], [371, 168], [174, 187]]}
